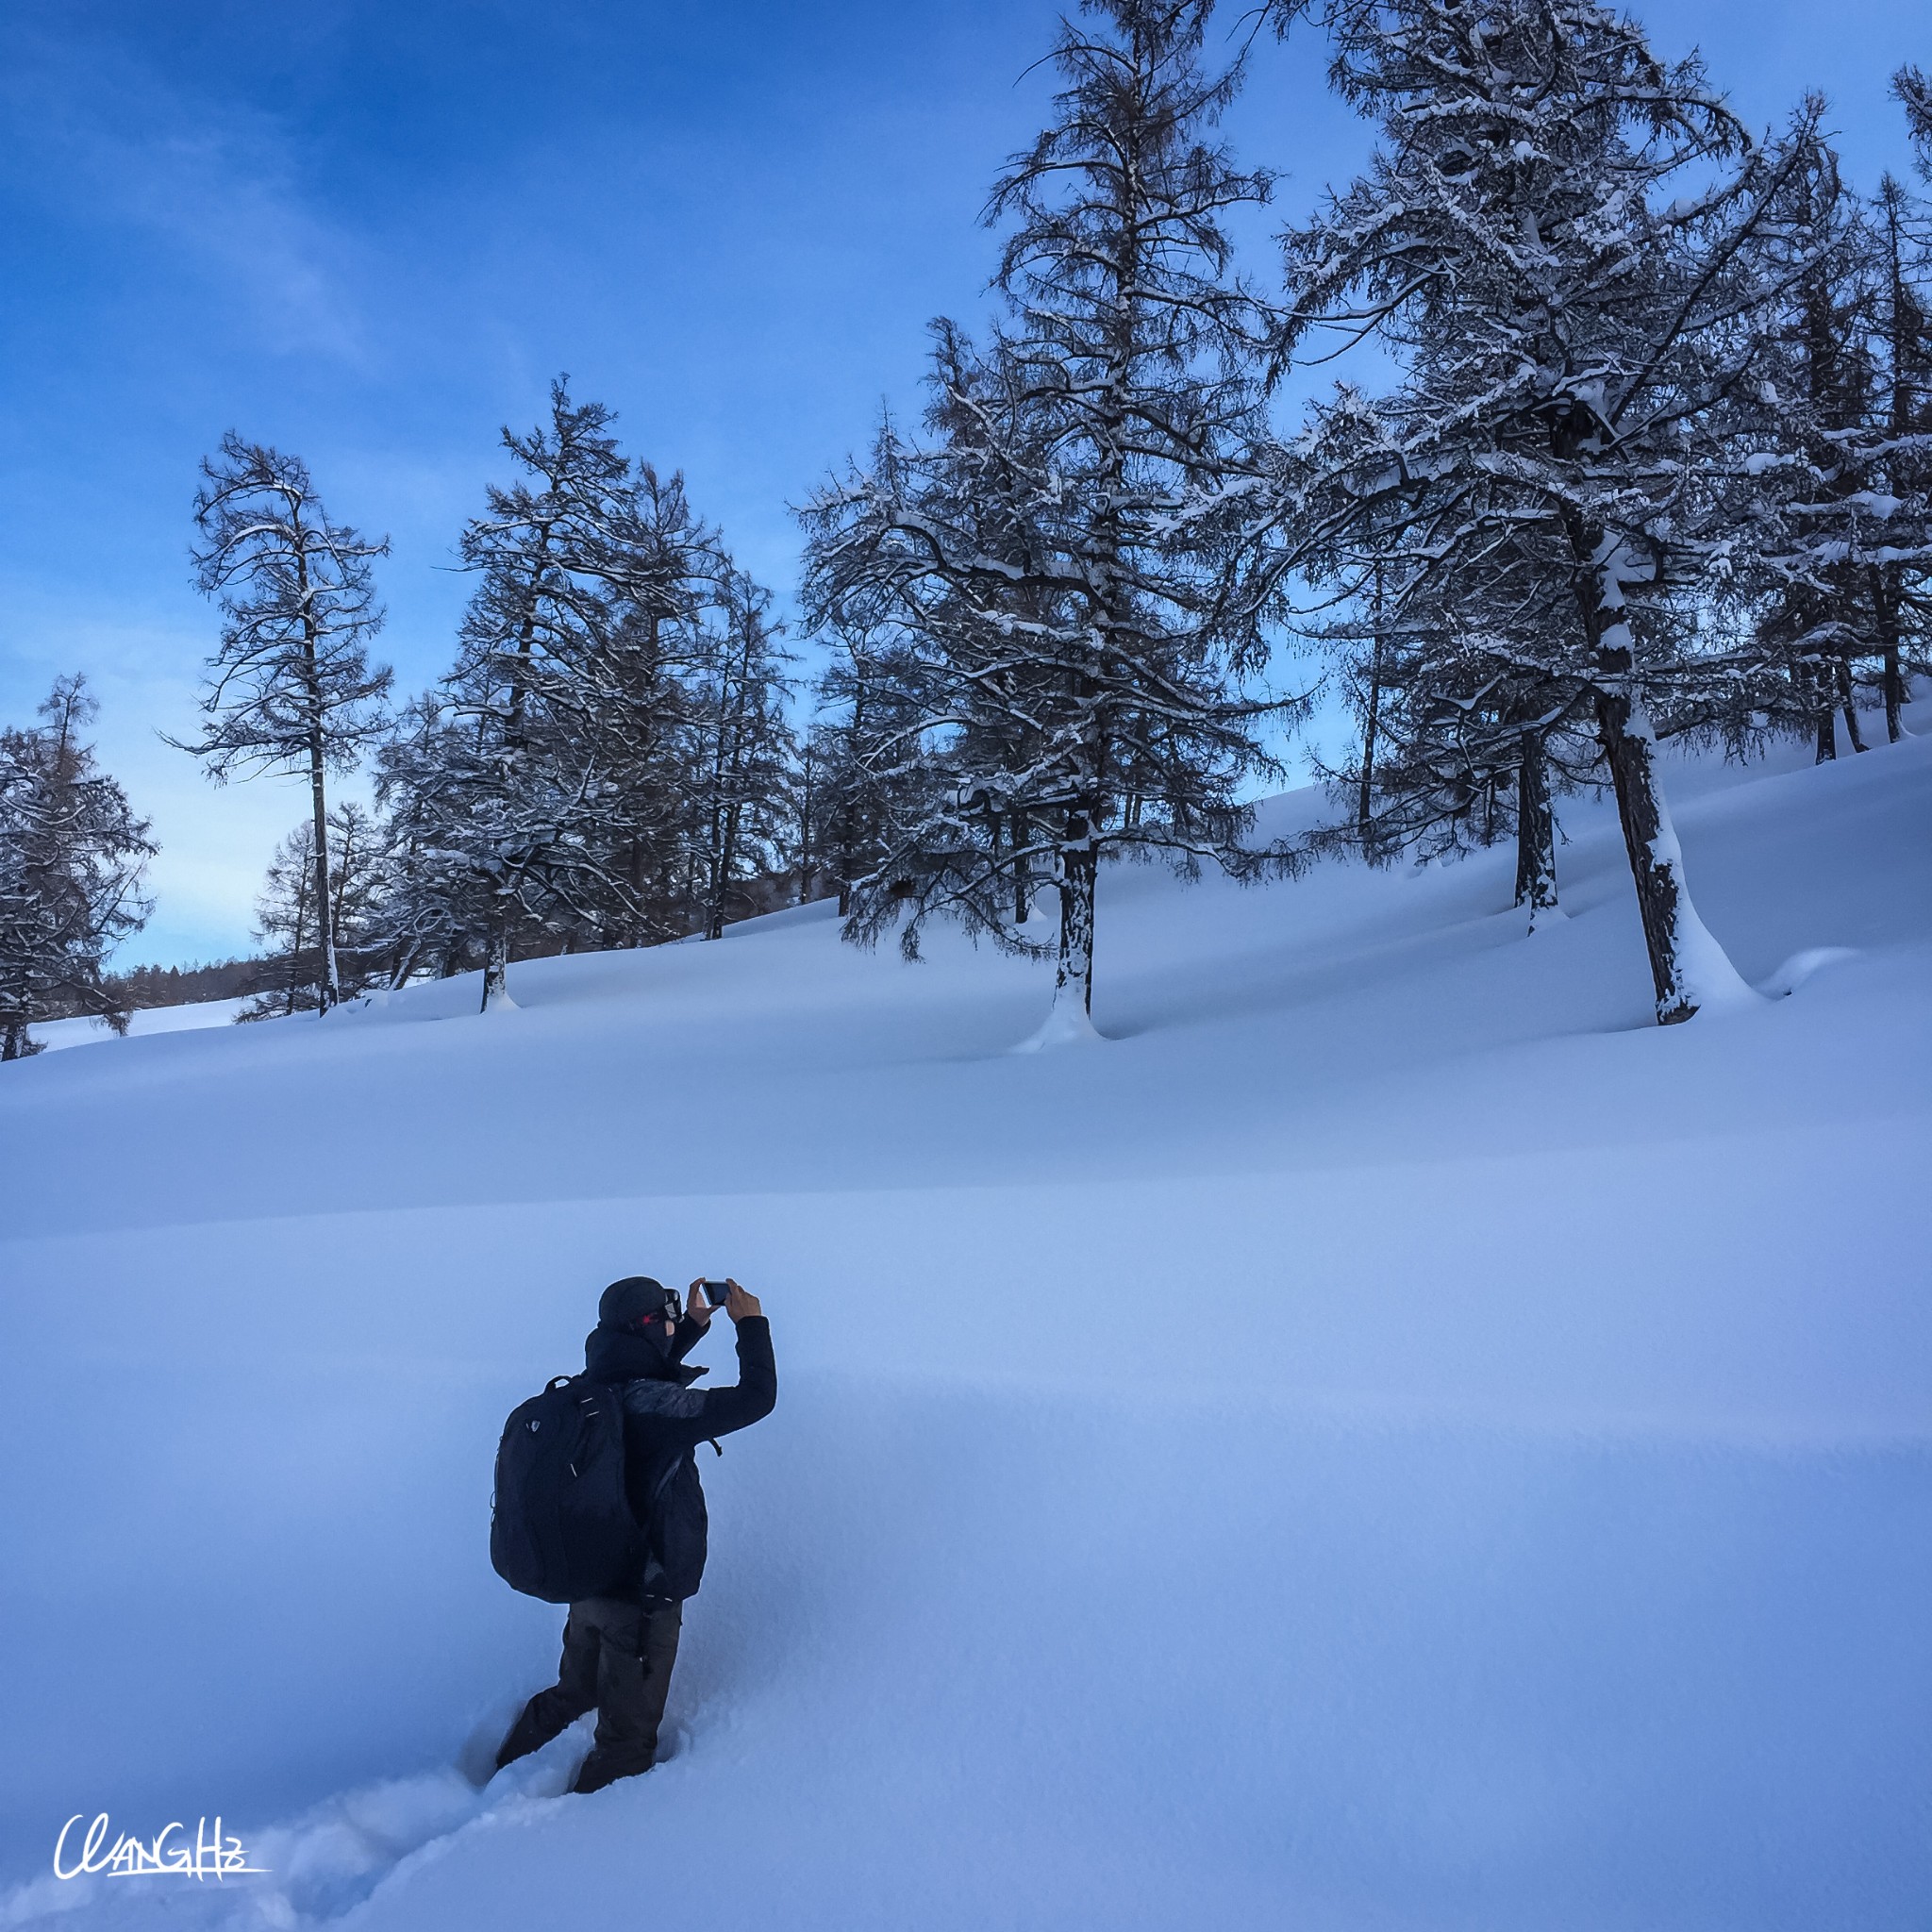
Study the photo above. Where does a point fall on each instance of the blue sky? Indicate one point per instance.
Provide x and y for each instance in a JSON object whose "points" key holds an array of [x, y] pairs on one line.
{"points": [[373, 233]]}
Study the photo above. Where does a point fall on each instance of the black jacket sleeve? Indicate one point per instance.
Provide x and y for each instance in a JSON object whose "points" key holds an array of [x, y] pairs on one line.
{"points": [[678, 1419]]}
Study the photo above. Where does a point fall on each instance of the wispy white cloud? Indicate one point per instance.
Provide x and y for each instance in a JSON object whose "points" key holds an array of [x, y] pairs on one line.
{"points": [[98, 138]]}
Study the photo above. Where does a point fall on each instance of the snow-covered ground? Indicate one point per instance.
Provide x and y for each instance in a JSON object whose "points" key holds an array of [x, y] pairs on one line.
{"points": [[52, 1035], [1390, 1439]]}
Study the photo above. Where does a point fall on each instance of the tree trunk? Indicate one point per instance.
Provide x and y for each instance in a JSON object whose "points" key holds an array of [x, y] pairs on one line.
{"points": [[329, 989], [995, 831], [714, 857], [807, 823], [1364, 803], [1650, 842], [1687, 966], [714, 910], [496, 997], [1072, 1016], [638, 874], [13, 1041], [727, 865], [1886, 589], [1826, 737], [1536, 832], [1371, 724], [1848, 702], [1023, 881]]}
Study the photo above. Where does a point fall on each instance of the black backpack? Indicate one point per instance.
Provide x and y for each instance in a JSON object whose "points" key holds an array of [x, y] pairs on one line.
{"points": [[561, 1524]]}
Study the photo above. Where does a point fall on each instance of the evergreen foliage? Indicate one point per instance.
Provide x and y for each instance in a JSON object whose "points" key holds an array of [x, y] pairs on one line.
{"points": [[1071, 619], [72, 858], [745, 756], [1914, 93], [609, 762], [287, 925], [1655, 459], [291, 687], [1579, 255]]}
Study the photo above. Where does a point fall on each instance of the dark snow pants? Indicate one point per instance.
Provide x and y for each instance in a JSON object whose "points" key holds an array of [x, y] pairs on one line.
{"points": [[617, 1658]]}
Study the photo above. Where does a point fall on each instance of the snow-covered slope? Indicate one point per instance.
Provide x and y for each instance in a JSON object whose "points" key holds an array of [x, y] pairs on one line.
{"points": [[1389, 1439], [52, 1035]]}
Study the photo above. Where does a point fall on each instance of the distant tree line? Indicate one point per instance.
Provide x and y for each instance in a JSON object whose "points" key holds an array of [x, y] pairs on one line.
{"points": [[142, 987], [1653, 462]]}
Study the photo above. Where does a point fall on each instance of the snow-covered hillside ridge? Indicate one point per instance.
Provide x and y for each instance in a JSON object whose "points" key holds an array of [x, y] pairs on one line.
{"points": [[1388, 1437], [53, 1034]]}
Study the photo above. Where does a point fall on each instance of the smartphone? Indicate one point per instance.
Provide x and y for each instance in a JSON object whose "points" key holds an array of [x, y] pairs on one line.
{"points": [[715, 1291]]}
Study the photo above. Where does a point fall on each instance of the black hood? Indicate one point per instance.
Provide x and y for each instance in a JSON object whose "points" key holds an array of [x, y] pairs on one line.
{"points": [[634, 1299], [634, 1355]]}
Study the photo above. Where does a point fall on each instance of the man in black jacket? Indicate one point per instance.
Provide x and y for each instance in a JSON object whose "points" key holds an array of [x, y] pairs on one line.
{"points": [[618, 1650]]}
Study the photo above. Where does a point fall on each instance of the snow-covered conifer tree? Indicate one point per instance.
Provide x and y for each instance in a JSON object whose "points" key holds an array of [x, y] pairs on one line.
{"points": [[962, 795], [517, 774], [870, 732], [1576, 250], [436, 897], [1814, 608], [1466, 735], [291, 687], [287, 926], [1057, 560], [71, 858], [1848, 539], [534, 787], [1899, 580], [808, 798], [1914, 93], [742, 749], [645, 697]]}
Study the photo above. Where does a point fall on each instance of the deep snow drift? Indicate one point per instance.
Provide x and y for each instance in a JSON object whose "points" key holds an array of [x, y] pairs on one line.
{"points": [[1387, 1439]]}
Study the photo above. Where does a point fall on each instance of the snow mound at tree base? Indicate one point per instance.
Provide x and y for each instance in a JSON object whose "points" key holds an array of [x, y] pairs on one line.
{"points": [[1066, 1025], [1801, 966]]}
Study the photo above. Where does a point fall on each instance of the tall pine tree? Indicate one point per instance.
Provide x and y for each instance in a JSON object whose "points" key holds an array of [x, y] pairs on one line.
{"points": [[1057, 560], [537, 791], [291, 687], [1578, 252], [743, 749], [72, 859]]}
